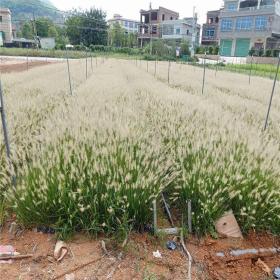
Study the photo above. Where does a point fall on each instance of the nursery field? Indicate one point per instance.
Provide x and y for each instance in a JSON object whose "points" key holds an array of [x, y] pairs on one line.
{"points": [[96, 160]]}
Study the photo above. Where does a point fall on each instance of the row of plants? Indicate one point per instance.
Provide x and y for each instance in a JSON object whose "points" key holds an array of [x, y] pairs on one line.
{"points": [[103, 171], [264, 53]]}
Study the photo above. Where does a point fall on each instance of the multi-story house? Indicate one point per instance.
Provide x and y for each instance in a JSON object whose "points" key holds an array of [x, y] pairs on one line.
{"points": [[130, 26], [151, 21], [181, 29], [210, 28], [6, 26], [249, 24]]}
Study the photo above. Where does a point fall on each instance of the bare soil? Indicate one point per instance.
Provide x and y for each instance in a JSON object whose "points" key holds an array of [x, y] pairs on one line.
{"points": [[87, 261], [13, 65]]}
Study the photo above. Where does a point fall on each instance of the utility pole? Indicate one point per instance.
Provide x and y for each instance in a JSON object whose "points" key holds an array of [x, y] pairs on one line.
{"points": [[35, 31], [151, 29], [194, 33]]}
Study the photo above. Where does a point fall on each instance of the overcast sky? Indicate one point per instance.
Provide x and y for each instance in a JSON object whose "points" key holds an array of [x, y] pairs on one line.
{"points": [[130, 8]]}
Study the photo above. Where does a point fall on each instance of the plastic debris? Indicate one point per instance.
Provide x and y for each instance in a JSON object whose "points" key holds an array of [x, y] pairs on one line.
{"points": [[7, 250], [228, 226], [60, 250], [262, 265], [70, 276], [46, 230], [157, 254], [171, 245], [276, 272]]}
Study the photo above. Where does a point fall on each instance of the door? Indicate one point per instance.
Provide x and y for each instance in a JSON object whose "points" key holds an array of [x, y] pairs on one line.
{"points": [[242, 47], [226, 47]]}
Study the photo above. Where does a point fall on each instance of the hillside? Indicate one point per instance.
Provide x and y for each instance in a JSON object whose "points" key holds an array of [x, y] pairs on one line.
{"points": [[23, 9]]}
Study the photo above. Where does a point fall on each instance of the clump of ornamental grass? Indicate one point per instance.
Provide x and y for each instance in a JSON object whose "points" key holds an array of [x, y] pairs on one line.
{"points": [[81, 186], [224, 176]]}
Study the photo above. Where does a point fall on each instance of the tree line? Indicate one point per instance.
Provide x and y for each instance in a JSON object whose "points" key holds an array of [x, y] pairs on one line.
{"points": [[80, 28]]}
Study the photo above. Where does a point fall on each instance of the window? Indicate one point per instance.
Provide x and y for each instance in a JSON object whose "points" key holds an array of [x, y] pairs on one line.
{"points": [[154, 16], [1, 18], [261, 22], [226, 25], [131, 25], [154, 30], [244, 23], [163, 17], [231, 7], [126, 24], [210, 32], [171, 18], [216, 20], [211, 20], [188, 32], [178, 31]]}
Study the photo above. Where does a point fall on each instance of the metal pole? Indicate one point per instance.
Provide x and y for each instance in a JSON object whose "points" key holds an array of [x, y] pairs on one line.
{"points": [[5, 132], [189, 215], [155, 67], [271, 97], [204, 71], [86, 67], [250, 74], [69, 74], [155, 215], [216, 67], [27, 61], [4, 124], [169, 65]]}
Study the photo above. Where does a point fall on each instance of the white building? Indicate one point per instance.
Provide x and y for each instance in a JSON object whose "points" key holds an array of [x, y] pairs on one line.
{"points": [[47, 43], [131, 26], [6, 25], [181, 29]]}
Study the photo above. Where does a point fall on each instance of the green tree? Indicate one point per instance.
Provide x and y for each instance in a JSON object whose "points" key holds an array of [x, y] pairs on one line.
{"points": [[52, 32], [116, 35], [185, 50], [27, 30], [87, 27]]}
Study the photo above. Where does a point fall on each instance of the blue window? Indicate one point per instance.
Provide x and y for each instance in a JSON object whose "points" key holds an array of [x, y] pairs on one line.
{"points": [[226, 25], [178, 31], [232, 7], [261, 22], [210, 32], [126, 24], [131, 25], [244, 23]]}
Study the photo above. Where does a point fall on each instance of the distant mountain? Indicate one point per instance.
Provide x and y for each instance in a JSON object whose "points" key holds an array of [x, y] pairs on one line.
{"points": [[24, 9]]}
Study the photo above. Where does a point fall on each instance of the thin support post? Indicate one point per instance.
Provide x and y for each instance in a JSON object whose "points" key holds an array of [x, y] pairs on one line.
{"points": [[86, 67], [204, 72], [271, 97], [27, 61], [155, 68], [189, 216], [250, 73], [91, 62], [217, 63], [5, 132], [169, 66], [4, 124], [69, 74], [155, 215]]}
